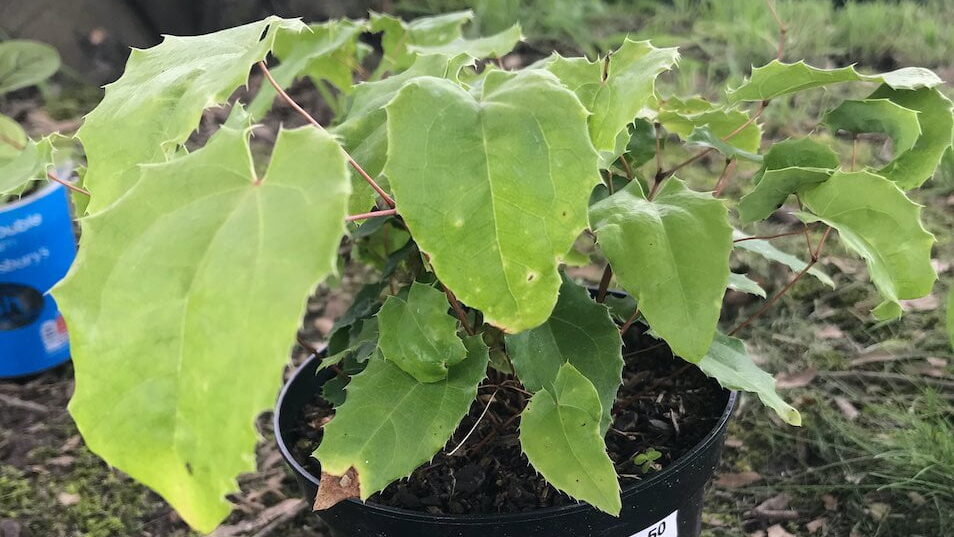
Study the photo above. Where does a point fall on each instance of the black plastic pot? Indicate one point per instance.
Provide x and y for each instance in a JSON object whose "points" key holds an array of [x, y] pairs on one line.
{"points": [[668, 504]]}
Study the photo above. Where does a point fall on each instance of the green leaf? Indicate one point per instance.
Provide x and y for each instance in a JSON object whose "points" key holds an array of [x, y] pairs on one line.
{"points": [[325, 51], [682, 117], [778, 78], [21, 160], [183, 292], [495, 192], [418, 335], [797, 152], [765, 249], [728, 362], [705, 137], [641, 147], [560, 433], [915, 166], [614, 89], [579, 332], [877, 115], [400, 36], [876, 220], [492, 46], [25, 63], [744, 284], [158, 101], [364, 130], [390, 423], [672, 255], [775, 187]]}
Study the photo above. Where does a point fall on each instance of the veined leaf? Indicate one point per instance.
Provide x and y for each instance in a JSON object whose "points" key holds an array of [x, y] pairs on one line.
{"points": [[158, 102], [915, 166], [418, 335], [728, 362], [324, 51], [672, 255], [775, 187], [579, 332], [183, 292], [876, 220], [390, 423], [765, 249], [400, 36], [877, 115], [614, 89], [797, 153], [25, 63], [788, 166], [493, 189], [641, 147], [777, 78], [491, 46], [363, 132], [560, 433], [744, 284]]}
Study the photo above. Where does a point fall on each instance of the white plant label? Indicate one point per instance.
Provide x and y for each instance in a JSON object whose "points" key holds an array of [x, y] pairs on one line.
{"points": [[667, 527]]}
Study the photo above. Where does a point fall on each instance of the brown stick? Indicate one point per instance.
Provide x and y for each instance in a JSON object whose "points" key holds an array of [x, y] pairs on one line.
{"points": [[372, 214], [291, 102]]}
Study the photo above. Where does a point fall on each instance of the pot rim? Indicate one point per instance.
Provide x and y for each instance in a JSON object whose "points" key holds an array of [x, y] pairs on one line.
{"points": [[537, 514], [26, 200]]}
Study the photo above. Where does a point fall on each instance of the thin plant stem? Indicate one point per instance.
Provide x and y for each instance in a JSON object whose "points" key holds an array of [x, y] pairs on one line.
{"points": [[629, 322], [372, 214], [785, 289], [67, 184], [604, 283], [724, 178], [291, 102], [768, 237], [458, 310], [782, 29], [854, 151]]}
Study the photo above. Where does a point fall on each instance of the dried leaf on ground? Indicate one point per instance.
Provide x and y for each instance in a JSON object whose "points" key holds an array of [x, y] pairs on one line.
{"points": [[798, 379], [778, 531], [925, 303], [737, 480], [847, 409], [830, 331], [818, 524]]}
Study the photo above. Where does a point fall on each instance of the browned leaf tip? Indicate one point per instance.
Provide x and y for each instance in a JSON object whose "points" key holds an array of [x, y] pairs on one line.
{"points": [[336, 488]]}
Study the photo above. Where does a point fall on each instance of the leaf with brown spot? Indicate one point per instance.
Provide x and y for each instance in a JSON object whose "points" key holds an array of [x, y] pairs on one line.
{"points": [[333, 489]]}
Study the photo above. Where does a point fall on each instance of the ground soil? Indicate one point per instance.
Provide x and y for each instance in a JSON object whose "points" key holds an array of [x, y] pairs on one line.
{"points": [[664, 404]]}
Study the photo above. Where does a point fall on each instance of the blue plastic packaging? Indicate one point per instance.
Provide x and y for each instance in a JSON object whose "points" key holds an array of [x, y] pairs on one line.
{"points": [[37, 247]]}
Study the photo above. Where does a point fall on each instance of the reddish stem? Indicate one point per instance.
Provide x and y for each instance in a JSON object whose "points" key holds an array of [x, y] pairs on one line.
{"points": [[458, 310], [291, 102], [372, 214], [604, 283]]}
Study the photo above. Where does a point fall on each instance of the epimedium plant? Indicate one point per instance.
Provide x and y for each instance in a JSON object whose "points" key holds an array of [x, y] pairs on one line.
{"points": [[465, 186]]}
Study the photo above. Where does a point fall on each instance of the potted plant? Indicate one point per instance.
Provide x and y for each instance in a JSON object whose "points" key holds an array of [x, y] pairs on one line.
{"points": [[36, 230], [466, 187]]}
